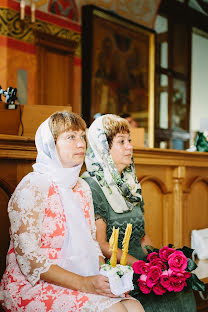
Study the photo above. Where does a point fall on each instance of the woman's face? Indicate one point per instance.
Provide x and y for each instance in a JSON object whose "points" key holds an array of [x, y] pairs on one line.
{"points": [[71, 147], [121, 151]]}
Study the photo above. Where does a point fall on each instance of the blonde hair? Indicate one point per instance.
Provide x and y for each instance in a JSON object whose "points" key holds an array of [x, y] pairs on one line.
{"points": [[112, 125], [60, 122]]}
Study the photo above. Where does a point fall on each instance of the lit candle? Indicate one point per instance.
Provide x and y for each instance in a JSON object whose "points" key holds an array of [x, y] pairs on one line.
{"points": [[114, 246], [125, 244], [33, 11], [22, 9]]}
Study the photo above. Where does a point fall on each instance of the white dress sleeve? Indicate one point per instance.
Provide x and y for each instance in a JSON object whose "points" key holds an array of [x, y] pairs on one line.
{"points": [[88, 193], [26, 212]]}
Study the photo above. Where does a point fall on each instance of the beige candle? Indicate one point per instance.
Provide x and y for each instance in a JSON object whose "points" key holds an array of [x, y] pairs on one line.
{"points": [[22, 9], [114, 246], [33, 11], [125, 244]]}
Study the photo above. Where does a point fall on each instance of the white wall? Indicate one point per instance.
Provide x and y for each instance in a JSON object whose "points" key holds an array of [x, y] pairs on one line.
{"points": [[199, 81]]}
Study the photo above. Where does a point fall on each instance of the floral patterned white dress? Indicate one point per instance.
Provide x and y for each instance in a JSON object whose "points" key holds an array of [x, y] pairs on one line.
{"points": [[38, 226]]}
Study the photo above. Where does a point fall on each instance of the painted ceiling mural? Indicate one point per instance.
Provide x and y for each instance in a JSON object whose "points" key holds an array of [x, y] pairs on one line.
{"points": [[140, 11], [65, 8]]}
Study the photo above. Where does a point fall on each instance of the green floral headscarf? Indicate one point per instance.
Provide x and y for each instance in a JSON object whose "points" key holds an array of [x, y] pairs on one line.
{"points": [[122, 192]]}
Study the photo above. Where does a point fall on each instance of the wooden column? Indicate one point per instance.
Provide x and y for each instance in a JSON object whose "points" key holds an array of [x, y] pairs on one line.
{"points": [[178, 179]]}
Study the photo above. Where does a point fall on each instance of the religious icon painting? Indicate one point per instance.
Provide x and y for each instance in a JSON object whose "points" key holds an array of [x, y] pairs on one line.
{"points": [[118, 68]]}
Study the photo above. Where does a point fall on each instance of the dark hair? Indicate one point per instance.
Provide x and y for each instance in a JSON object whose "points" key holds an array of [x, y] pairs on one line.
{"points": [[125, 115]]}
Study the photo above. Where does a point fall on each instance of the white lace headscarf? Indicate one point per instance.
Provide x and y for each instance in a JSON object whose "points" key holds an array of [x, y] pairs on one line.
{"points": [[79, 254], [122, 193]]}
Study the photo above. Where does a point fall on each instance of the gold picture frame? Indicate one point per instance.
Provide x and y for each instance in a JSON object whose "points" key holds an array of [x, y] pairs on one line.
{"points": [[118, 68]]}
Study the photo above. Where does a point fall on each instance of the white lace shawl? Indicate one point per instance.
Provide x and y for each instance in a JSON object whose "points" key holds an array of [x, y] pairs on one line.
{"points": [[26, 212]]}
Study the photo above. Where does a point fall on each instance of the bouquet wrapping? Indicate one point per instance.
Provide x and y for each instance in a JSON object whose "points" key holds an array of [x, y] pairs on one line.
{"points": [[166, 270], [120, 278], [120, 275]]}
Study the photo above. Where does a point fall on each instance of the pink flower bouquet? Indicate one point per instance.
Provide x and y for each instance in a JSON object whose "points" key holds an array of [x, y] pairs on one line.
{"points": [[166, 270]]}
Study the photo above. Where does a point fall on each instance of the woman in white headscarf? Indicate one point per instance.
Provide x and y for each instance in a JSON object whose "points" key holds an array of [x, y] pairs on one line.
{"points": [[53, 259]]}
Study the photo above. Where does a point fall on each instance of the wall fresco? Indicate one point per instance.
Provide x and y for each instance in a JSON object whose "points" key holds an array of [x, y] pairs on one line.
{"points": [[139, 11], [67, 9], [142, 12], [13, 27], [64, 8]]}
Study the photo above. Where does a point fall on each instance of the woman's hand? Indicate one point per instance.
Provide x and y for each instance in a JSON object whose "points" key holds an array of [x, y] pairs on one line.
{"points": [[101, 261], [145, 241], [98, 285]]}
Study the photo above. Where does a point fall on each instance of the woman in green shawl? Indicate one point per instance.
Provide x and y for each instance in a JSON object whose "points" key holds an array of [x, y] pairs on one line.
{"points": [[118, 200]]}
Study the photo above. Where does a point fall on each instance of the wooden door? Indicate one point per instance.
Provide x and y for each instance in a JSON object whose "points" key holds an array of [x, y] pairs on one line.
{"points": [[55, 70]]}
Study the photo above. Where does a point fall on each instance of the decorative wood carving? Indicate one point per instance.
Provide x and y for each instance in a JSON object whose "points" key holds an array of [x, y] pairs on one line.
{"points": [[55, 42]]}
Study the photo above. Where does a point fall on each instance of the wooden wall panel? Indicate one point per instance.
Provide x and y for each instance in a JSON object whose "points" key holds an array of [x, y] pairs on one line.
{"points": [[153, 211], [196, 210], [182, 204], [34, 115]]}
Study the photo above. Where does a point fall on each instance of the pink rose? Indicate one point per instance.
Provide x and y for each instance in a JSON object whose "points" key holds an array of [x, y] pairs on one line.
{"points": [[157, 262], [137, 266], [143, 277], [145, 268], [151, 256], [140, 267], [164, 279], [177, 261], [165, 252], [143, 285], [159, 289], [186, 274], [177, 281], [153, 276]]}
